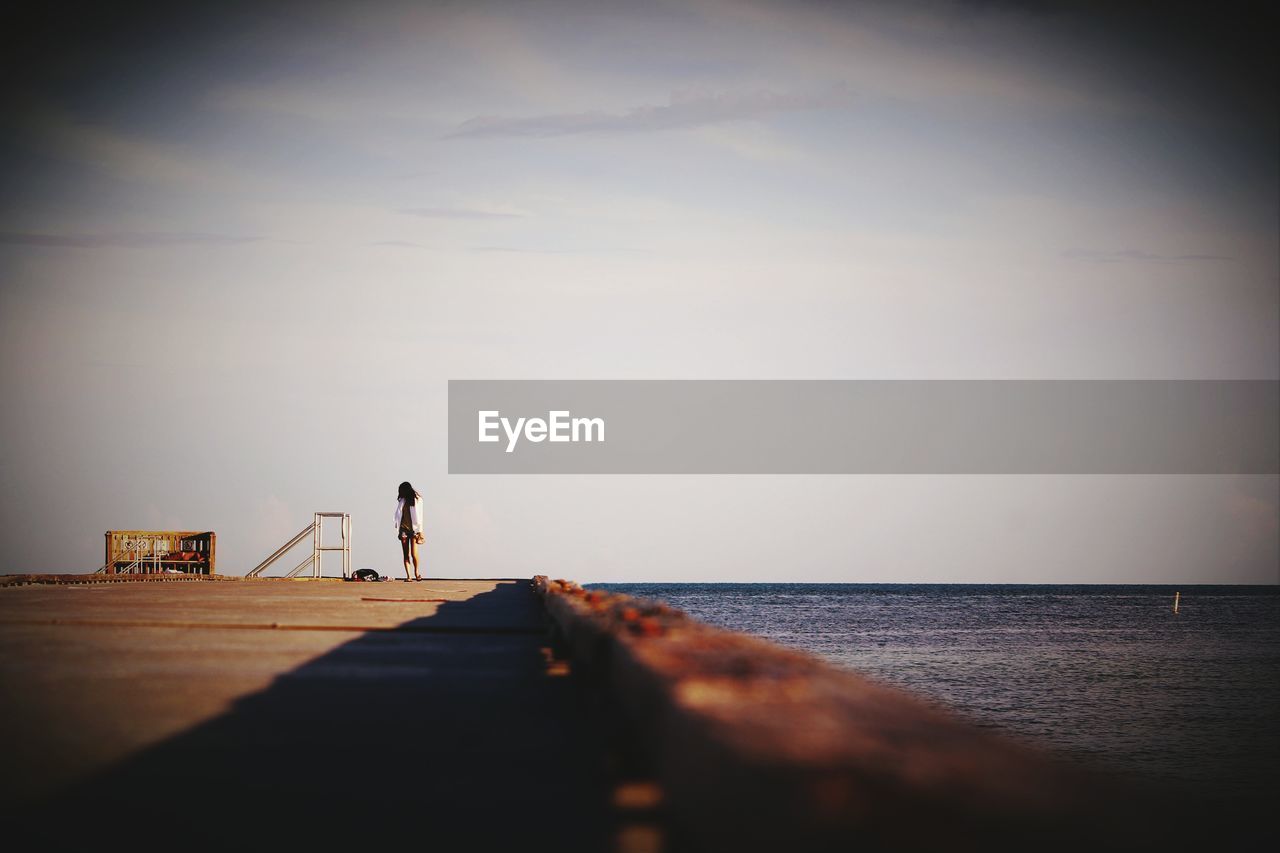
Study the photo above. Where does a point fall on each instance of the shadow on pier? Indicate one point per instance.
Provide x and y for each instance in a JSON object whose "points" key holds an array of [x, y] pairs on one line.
{"points": [[445, 733]]}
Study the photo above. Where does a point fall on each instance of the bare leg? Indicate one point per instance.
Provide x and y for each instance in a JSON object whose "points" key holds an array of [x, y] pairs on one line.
{"points": [[413, 550], [405, 545]]}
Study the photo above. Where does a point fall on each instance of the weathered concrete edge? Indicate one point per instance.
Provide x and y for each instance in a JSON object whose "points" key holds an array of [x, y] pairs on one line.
{"points": [[758, 745]]}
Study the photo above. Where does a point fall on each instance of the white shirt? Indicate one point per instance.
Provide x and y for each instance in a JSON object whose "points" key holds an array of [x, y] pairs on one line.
{"points": [[415, 513]]}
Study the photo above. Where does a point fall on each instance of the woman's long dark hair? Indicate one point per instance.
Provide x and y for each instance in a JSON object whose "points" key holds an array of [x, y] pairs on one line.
{"points": [[406, 492]]}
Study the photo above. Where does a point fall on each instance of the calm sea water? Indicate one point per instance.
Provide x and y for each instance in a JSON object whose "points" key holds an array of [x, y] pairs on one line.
{"points": [[1105, 675]]}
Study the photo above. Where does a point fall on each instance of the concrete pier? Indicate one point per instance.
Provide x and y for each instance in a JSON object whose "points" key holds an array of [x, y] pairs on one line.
{"points": [[292, 715]]}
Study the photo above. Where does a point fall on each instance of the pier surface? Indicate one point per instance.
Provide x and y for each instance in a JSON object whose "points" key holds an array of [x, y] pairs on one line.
{"points": [[232, 714], [307, 715]]}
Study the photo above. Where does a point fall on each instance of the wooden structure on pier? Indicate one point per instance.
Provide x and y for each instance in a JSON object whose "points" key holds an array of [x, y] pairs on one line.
{"points": [[188, 552]]}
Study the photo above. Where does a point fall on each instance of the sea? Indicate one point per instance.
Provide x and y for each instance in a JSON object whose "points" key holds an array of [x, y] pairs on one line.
{"points": [[1107, 676]]}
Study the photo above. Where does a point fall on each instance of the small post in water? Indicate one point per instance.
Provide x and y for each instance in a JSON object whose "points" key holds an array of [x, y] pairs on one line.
{"points": [[1176, 596]]}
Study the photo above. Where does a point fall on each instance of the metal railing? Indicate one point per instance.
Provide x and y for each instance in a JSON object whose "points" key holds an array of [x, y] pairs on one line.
{"points": [[136, 566], [316, 529]]}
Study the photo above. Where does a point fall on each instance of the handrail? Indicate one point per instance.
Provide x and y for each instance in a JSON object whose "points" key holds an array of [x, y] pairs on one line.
{"points": [[316, 530], [297, 570], [302, 534]]}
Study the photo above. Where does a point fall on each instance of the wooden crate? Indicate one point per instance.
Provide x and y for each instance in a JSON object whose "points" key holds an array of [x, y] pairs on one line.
{"points": [[160, 552]]}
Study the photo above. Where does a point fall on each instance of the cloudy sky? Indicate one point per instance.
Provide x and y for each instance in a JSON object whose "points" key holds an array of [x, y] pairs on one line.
{"points": [[243, 247]]}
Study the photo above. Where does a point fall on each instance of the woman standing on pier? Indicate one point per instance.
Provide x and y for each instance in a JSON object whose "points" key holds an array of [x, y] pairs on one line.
{"points": [[409, 527]]}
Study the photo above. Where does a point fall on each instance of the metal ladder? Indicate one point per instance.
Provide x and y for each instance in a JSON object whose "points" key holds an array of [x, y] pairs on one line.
{"points": [[315, 528]]}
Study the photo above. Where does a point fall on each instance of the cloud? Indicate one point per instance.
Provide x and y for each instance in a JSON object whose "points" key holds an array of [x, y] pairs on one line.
{"points": [[685, 111], [123, 240], [1107, 256], [927, 53], [459, 213], [131, 157], [758, 144]]}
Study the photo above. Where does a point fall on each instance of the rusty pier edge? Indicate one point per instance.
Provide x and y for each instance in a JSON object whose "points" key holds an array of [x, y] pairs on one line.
{"points": [[759, 747]]}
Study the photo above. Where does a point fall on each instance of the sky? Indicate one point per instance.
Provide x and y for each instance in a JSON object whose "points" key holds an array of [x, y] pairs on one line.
{"points": [[243, 248]]}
